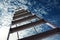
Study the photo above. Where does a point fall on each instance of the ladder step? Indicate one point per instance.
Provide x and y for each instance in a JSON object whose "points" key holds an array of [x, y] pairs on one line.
{"points": [[21, 16], [42, 35], [26, 26], [26, 22], [20, 12], [25, 19]]}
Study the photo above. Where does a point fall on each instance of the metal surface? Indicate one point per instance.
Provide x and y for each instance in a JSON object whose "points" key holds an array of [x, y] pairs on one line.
{"points": [[42, 35], [25, 19], [26, 26], [23, 16]]}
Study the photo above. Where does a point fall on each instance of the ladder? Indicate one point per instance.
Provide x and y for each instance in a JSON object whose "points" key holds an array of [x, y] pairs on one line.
{"points": [[27, 20]]}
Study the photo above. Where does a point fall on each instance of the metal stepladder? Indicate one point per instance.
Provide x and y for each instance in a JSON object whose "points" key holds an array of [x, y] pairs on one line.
{"points": [[24, 16]]}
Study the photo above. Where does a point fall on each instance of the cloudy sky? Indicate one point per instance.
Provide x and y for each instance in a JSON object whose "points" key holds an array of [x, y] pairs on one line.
{"points": [[47, 9]]}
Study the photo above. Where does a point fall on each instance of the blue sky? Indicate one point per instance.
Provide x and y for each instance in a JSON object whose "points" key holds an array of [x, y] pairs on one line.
{"points": [[50, 10], [47, 9]]}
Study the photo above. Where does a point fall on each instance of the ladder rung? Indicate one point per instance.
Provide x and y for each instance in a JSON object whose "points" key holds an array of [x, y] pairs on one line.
{"points": [[20, 11], [42, 35], [26, 26], [22, 15], [25, 19]]}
